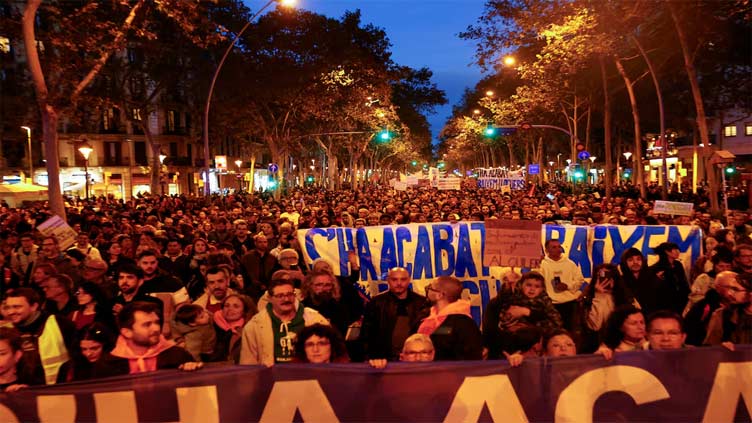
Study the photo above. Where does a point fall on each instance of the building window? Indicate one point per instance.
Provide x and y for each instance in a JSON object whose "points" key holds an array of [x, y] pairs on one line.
{"points": [[189, 151], [107, 118], [748, 129], [112, 153], [729, 131], [174, 149], [140, 153], [171, 120], [136, 113]]}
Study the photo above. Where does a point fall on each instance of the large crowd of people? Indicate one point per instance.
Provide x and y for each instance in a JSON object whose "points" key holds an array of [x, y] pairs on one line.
{"points": [[176, 282]]}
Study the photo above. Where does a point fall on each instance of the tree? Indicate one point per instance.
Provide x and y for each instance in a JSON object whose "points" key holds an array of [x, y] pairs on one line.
{"points": [[78, 40]]}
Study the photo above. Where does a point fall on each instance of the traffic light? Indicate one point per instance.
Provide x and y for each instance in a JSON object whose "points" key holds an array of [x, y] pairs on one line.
{"points": [[578, 174], [414, 163], [490, 131], [310, 179], [730, 170]]}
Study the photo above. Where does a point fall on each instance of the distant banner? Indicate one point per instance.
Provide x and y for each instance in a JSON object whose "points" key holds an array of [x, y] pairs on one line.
{"points": [[673, 207], [634, 386], [450, 183], [499, 178], [434, 249]]}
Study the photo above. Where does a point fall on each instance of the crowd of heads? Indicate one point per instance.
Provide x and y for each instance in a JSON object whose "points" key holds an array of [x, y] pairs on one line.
{"points": [[194, 273]]}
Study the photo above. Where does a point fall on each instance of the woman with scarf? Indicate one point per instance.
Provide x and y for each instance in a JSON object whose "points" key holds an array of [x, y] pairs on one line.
{"points": [[91, 357], [228, 323]]}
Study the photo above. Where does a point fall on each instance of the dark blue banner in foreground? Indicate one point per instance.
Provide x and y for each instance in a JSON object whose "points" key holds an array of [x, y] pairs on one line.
{"points": [[707, 384]]}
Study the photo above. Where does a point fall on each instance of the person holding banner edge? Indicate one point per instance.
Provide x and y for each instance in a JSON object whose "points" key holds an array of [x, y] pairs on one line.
{"points": [[563, 281]]}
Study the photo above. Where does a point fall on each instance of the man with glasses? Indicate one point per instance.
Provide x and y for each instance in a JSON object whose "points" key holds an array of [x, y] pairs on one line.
{"points": [[725, 292], [51, 254], [666, 331], [270, 336], [450, 325], [392, 316], [733, 323]]}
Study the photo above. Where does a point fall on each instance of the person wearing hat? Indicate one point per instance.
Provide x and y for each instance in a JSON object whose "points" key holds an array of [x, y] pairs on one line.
{"points": [[672, 289]]}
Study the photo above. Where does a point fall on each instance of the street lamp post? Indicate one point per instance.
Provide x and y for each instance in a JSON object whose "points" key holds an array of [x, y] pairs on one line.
{"points": [[592, 162], [239, 163], [85, 149], [627, 155], [162, 158], [207, 188], [31, 162]]}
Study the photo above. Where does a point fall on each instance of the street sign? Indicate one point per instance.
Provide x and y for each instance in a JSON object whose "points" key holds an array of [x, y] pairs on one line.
{"points": [[273, 168], [507, 131], [583, 155], [525, 125], [533, 169], [580, 147]]}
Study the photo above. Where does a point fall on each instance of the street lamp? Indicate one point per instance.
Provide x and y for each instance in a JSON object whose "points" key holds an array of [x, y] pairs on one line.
{"points": [[509, 60], [162, 158], [85, 149], [238, 163], [31, 162], [489, 93], [286, 3]]}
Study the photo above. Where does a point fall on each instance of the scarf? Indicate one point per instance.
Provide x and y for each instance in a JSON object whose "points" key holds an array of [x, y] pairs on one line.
{"points": [[141, 363], [219, 320], [436, 318]]}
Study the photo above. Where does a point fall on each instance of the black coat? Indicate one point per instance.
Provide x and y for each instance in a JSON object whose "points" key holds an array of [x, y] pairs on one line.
{"points": [[458, 338], [673, 288], [380, 319]]}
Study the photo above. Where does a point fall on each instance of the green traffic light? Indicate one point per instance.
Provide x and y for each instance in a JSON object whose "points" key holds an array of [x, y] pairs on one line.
{"points": [[579, 174], [490, 131], [414, 163], [385, 135], [730, 170]]}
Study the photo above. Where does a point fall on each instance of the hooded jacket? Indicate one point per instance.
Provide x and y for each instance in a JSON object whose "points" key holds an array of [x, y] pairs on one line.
{"points": [[257, 342], [569, 273], [164, 355]]}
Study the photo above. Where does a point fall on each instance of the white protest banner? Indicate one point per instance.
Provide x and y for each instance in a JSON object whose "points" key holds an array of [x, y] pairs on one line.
{"points": [[428, 250], [673, 207], [433, 176], [412, 180], [400, 186], [449, 183], [56, 226], [513, 243]]}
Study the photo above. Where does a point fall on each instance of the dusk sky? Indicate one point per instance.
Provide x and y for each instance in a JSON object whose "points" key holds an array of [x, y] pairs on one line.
{"points": [[422, 33]]}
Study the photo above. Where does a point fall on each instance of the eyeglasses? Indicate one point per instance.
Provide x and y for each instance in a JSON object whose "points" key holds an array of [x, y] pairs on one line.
{"points": [[670, 333], [285, 295], [416, 353], [735, 290], [430, 288], [319, 344]]}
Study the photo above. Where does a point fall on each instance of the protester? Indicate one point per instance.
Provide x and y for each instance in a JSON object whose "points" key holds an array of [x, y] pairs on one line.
{"points": [[721, 261], [673, 287], [417, 347], [270, 336], [93, 306], [605, 292], [23, 258], [15, 374], [258, 266], [453, 331], [559, 343], [22, 308], [58, 296], [665, 331], [639, 280], [217, 288], [236, 311], [563, 281], [318, 344], [625, 329], [733, 323], [392, 316], [142, 344], [192, 329], [91, 358]]}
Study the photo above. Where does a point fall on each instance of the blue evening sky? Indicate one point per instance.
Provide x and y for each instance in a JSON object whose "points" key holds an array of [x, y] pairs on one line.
{"points": [[422, 33]]}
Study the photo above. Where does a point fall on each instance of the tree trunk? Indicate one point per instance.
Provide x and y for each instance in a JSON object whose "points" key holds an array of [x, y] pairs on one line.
{"points": [[702, 122], [637, 154], [661, 116], [606, 128], [156, 165], [47, 111]]}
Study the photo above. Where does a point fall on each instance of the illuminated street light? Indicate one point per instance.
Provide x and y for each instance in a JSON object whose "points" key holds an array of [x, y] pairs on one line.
{"points": [[489, 93], [85, 150], [476, 111], [207, 159], [569, 162], [510, 60], [31, 162], [627, 155], [162, 158], [592, 159]]}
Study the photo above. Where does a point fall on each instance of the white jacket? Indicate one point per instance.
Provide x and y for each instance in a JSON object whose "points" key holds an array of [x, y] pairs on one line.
{"points": [[568, 272], [257, 343]]}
